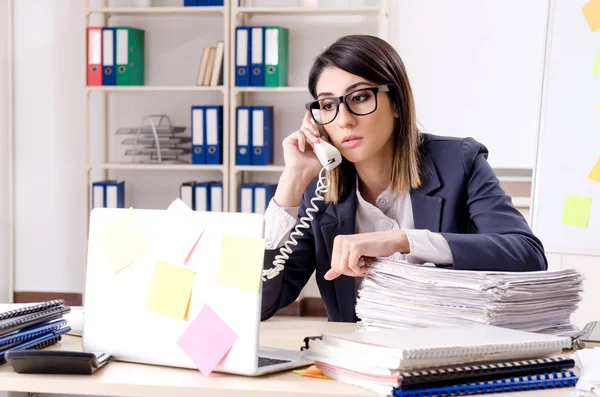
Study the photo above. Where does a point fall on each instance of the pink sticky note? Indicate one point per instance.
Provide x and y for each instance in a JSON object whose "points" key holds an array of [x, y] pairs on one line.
{"points": [[207, 340]]}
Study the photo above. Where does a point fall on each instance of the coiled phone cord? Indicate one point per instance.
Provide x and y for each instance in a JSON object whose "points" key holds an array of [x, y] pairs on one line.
{"points": [[322, 187]]}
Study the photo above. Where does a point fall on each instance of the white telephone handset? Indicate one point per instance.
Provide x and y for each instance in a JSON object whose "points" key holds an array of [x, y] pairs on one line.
{"points": [[330, 158]]}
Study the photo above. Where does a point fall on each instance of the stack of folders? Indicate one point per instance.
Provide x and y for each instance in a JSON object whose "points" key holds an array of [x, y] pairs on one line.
{"points": [[108, 194], [211, 66], [261, 56], [202, 3], [396, 294], [444, 361], [207, 134], [115, 56], [32, 327], [254, 135], [202, 196], [255, 197]]}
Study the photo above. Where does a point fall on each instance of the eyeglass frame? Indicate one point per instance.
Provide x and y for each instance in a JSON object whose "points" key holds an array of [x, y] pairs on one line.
{"points": [[342, 99]]}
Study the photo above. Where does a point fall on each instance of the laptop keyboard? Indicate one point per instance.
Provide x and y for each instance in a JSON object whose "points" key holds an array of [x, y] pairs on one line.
{"points": [[264, 361]]}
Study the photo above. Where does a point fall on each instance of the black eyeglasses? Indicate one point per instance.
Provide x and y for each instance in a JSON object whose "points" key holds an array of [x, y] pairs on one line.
{"points": [[360, 102]]}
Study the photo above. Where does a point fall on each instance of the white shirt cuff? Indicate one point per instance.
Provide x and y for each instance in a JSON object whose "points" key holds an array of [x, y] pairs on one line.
{"points": [[426, 246], [279, 222]]}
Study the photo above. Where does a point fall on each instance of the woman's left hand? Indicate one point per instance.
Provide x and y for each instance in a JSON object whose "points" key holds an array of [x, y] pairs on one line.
{"points": [[349, 251]]}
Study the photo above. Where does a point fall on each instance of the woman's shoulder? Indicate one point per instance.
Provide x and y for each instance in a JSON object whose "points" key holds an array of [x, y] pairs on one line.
{"points": [[448, 149]]}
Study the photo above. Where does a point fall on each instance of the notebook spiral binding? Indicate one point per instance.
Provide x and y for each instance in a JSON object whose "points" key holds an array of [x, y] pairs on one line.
{"points": [[521, 383], [24, 319], [35, 334], [440, 352], [39, 346], [31, 309]]}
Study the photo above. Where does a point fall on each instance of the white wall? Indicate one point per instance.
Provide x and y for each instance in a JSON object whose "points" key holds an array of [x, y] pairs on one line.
{"points": [[4, 165], [49, 45]]}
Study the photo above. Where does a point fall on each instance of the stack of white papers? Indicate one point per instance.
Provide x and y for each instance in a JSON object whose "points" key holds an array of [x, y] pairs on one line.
{"points": [[396, 294], [588, 361]]}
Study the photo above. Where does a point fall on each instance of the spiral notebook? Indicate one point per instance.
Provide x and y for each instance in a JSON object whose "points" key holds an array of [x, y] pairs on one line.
{"points": [[43, 343], [27, 334], [528, 382], [35, 308], [15, 320]]}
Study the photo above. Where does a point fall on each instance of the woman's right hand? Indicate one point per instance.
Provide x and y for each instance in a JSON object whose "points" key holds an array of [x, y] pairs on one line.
{"points": [[298, 152]]}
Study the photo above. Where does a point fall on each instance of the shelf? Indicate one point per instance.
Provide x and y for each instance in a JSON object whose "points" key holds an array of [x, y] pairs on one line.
{"points": [[156, 88], [157, 10], [238, 90], [258, 168], [308, 10], [163, 167]]}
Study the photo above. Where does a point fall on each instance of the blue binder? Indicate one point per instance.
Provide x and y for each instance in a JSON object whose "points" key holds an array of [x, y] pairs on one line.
{"points": [[213, 133], [243, 153], [216, 196], [263, 193], [109, 55], [247, 198], [197, 127], [243, 50], [262, 135], [108, 194], [190, 3], [217, 3], [257, 59], [202, 196], [186, 193], [528, 382], [98, 200]]}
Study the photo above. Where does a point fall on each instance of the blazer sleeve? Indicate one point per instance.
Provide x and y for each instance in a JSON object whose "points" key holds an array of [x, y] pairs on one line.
{"points": [[283, 289], [502, 239]]}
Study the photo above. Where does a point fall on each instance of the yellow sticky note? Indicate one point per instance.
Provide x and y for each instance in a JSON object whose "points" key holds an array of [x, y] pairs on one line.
{"points": [[576, 211], [123, 242], [595, 172], [241, 262], [591, 12], [596, 67], [170, 290]]}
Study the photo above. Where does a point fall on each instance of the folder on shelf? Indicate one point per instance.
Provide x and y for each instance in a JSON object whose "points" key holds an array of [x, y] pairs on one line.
{"points": [[209, 66], [186, 193], [108, 56], [129, 56], [203, 64], [203, 3], [108, 194], [263, 193], [262, 135], [216, 3], [243, 154], [242, 56], [276, 56], [246, 198], [201, 196], [213, 133], [197, 128], [97, 195], [257, 77], [190, 3], [94, 56], [216, 197], [217, 70]]}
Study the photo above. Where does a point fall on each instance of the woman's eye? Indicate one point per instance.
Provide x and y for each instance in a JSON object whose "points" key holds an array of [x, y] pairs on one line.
{"points": [[360, 97], [327, 106]]}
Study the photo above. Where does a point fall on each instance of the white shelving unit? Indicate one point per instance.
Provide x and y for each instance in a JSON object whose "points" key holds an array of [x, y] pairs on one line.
{"points": [[104, 166], [242, 16]]}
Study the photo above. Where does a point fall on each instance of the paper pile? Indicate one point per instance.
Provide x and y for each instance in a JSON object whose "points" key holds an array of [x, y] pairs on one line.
{"points": [[396, 294], [588, 361]]}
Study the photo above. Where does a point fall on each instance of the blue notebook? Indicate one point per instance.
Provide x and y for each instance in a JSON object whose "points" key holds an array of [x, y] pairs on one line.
{"points": [[529, 382], [27, 334]]}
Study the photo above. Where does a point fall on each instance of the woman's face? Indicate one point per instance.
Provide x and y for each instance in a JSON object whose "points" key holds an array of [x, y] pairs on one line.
{"points": [[358, 138]]}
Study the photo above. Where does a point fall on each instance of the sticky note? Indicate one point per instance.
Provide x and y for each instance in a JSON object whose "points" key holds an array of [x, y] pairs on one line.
{"points": [[596, 67], [170, 290], [179, 234], [312, 372], [207, 340], [595, 172], [241, 262], [591, 12], [576, 211], [123, 242]]}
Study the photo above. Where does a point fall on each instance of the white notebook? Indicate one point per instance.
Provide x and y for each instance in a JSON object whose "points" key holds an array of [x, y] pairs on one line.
{"points": [[415, 347]]}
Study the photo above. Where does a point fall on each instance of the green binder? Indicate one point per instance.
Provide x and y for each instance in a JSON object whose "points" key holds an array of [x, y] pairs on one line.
{"points": [[129, 56], [276, 56]]}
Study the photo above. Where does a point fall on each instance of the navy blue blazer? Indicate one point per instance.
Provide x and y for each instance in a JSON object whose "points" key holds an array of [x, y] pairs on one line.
{"points": [[460, 197]]}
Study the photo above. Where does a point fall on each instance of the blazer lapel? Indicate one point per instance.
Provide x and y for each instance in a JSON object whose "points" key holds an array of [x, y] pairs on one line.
{"points": [[342, 221], [427, 210]]}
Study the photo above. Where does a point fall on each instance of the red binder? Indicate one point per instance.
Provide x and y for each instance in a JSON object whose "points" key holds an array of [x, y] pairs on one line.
{"points": [[94, 55]]}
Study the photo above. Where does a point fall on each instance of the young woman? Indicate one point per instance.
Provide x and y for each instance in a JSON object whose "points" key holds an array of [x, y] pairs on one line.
{"points": [[398, 193]]}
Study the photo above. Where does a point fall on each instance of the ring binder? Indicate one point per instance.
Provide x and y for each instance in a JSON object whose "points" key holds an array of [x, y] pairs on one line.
{"points": [[31, 309]]}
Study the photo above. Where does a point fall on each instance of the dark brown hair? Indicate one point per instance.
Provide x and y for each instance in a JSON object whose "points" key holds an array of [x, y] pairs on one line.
{"points": [[374, 59]]}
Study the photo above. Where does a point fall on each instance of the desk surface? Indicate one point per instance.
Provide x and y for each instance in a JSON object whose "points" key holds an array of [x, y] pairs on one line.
{"points": [[128, 379]]}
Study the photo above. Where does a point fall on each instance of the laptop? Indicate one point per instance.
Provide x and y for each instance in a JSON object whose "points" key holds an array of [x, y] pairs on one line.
{"points": [[116, 320]]}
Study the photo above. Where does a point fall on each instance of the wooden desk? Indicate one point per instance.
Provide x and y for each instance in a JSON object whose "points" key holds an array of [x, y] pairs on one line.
{"points": [[128, 379]]}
